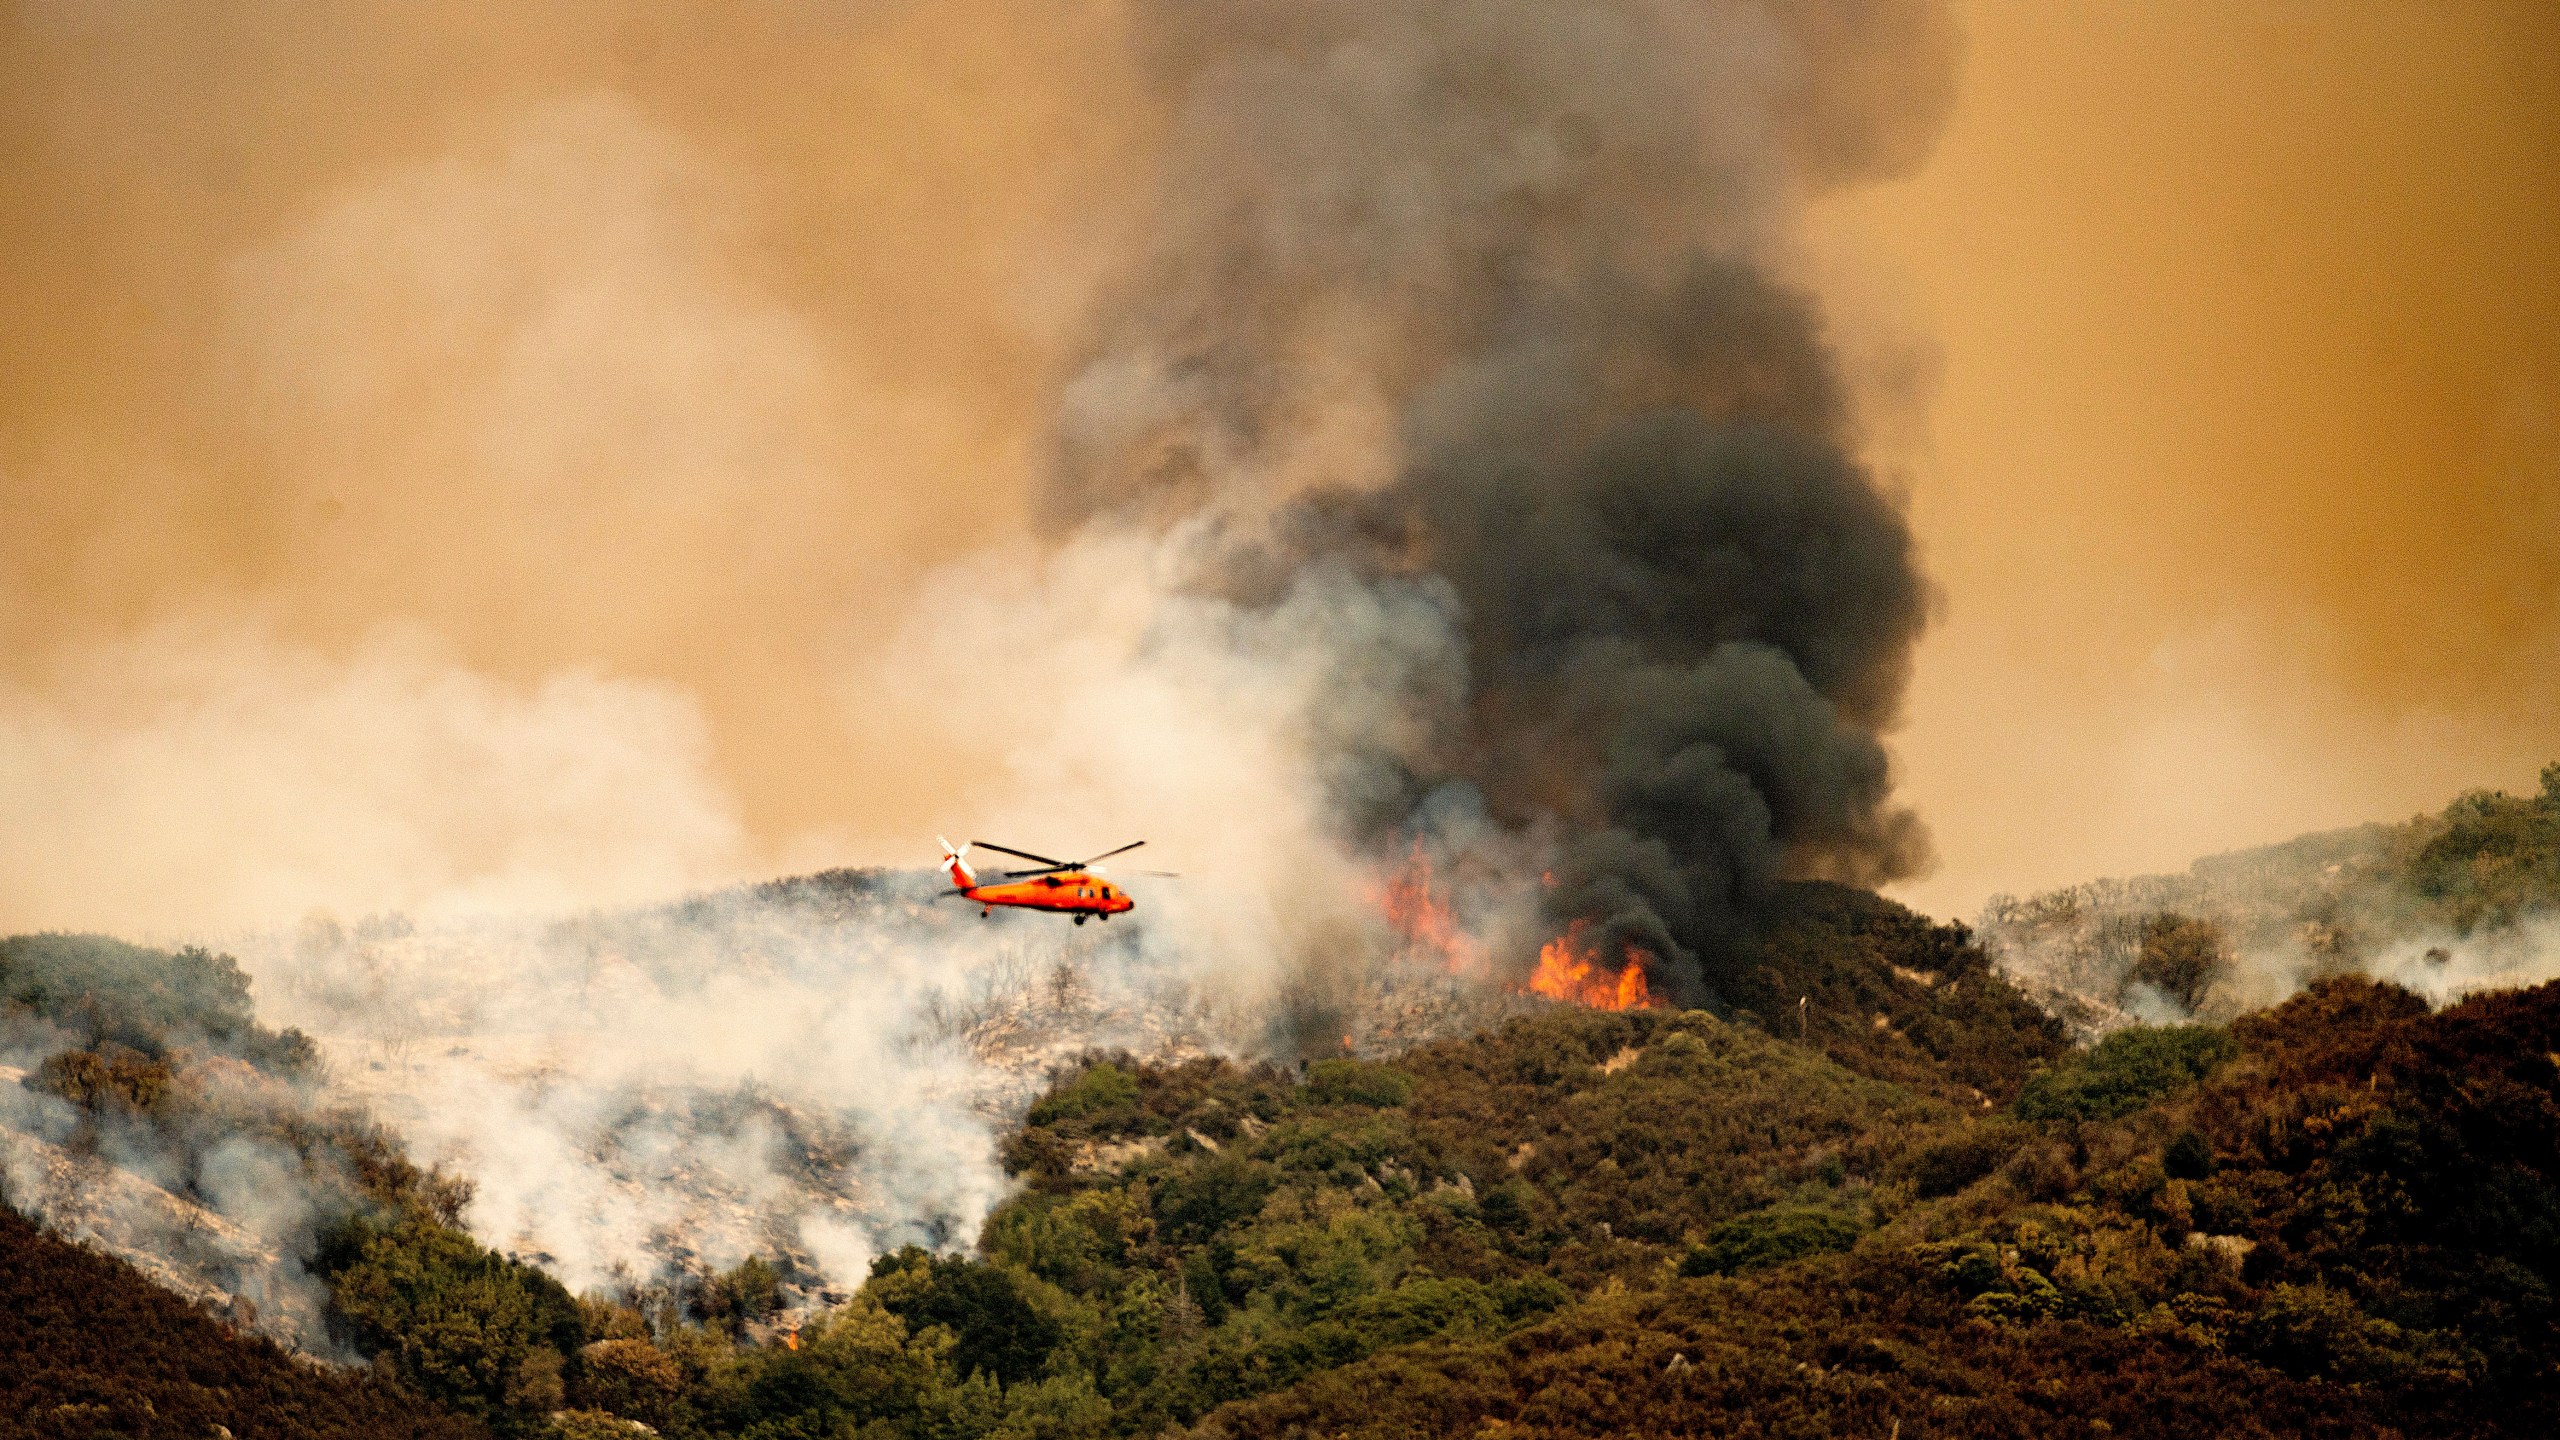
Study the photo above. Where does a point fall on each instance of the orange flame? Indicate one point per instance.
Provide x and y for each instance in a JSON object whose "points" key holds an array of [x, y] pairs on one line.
{"points": [[1424, 920], [1569, 970]]}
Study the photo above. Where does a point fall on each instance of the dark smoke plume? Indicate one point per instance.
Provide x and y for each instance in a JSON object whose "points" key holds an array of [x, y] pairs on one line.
{"points": [[1482, 295]]}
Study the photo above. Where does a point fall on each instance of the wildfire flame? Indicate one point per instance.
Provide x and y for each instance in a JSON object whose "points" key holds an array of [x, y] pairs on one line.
{"points": [[1414, 900], [1569, 970], [1423, 917]]}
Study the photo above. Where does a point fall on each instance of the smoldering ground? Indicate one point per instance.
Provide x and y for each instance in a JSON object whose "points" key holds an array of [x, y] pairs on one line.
{"points": [[815, 1073]]}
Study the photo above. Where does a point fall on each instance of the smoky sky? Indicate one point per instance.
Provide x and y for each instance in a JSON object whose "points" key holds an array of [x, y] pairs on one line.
{"points": [[1533, 246], [636, 368]]}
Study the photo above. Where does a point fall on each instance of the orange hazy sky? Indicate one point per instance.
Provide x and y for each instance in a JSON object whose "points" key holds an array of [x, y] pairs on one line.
{"points": [[2216, 347], [2233, 341]]}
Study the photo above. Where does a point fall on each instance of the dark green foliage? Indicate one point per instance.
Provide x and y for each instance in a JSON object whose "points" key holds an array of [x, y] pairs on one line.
{"points": [[1352, 1082], [1952, 1026], [473, 1330], [1804, 1355], [2494, 857], [2355, 1231], [2408, 1161], [1510, 1206], [88, 1347], [752, 1291], [1473, 1187], [858, 1367], [1094, 1103], [2181, 958], [1948, 1165], [1652, 1123], [2126, 1071], [1198, 1202], [985, 1306], [2188, 1157], [2338, 1217], [107, 992], [1770, 1237], [629, 1377], [1103, 1089]]}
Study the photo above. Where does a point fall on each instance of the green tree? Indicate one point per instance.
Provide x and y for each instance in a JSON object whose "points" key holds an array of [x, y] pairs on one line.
{"points": [[472, 1329], [986, 1305], [1770, 1237], [2126, 1071], [2181, 958]]}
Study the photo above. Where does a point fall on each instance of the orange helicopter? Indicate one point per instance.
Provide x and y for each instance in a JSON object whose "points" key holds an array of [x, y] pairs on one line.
{"points": [[1068, 887]]}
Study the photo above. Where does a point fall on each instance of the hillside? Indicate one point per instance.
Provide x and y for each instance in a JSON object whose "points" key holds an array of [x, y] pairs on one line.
{"points": [[1878, 1193], [150, 1115], [89, 1347], [2350, 1226], [2341, 1217], [2464, 899]]}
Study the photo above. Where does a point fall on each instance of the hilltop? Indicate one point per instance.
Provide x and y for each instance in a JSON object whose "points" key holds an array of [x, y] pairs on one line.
{"points": [[2463, 899]]}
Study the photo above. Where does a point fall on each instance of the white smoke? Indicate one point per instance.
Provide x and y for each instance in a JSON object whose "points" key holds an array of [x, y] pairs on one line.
{"points": [[821, 1070], [2288, 915], [205, 774], [2432, 961]]}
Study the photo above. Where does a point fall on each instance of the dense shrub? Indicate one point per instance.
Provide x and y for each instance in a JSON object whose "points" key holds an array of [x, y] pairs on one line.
{"points": [[2355, 1229], [115, 1079], [483, 1334], [112, 994], [629, 1377], [2495, 856], [1833, 960], [1351, 1082], [88, 1347], [2126, 1071], [1770, 1237], [1101, 1089], [986, 1306], [1963, 1157], [2181, 958]]}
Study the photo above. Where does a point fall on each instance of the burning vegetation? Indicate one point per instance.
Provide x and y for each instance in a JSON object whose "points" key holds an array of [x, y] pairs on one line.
{"points": [[1422, 913], [1569, 969]]}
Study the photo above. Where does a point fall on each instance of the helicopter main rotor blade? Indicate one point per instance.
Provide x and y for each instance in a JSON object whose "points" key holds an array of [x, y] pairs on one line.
{"points": [[1049, 860], [1043, 870], [1107, 854]]}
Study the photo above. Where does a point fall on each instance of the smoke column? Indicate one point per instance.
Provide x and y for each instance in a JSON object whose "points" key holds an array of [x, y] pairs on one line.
{"points": [[1477, 300]]}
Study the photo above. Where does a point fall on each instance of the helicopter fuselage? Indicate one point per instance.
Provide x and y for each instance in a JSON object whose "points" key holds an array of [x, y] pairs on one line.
{"points": [[1070, 892]]}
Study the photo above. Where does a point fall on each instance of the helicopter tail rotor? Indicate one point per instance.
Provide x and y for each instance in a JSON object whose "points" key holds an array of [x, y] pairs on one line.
{"points": [[956, 865]]}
